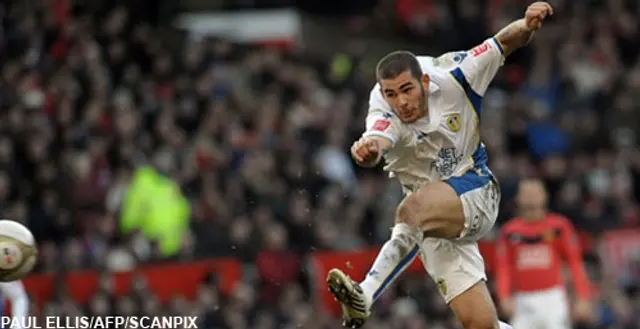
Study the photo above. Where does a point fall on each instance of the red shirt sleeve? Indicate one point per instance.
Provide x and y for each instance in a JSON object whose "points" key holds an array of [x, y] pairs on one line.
{"points": [[504, 265], [573, 256]]}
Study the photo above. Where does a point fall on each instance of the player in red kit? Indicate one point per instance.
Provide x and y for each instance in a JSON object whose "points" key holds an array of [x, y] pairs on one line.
{"points": [[532, 250]]}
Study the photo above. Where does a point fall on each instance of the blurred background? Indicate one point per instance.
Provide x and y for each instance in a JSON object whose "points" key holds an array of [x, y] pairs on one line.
{"points": [[191, 157]]}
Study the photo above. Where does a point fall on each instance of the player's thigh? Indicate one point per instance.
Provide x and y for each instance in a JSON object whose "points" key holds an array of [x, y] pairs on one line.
{"points": [[474, 308], [460, 207], [435, 208]]}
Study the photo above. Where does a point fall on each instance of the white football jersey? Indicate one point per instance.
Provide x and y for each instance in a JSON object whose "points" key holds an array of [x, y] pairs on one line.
{"points": [[446, 143]]}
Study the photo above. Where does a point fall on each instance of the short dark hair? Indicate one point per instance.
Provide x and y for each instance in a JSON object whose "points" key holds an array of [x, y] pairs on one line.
{"points": [[397, 62]]}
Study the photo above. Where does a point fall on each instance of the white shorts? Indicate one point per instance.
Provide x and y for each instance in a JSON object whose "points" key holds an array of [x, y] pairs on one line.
{"points": [[480, 196], [456, 264], [547, 309]]}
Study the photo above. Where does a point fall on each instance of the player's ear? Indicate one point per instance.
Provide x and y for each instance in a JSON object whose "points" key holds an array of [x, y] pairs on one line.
{"points": [[425, 81]]}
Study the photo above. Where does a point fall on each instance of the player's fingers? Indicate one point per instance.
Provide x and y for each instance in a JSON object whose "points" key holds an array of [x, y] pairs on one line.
{"points": [[540, 10], [357, 157], [540, 13], [533, 13], [544, 8], [354, 153], [363, 153], [372, 146]]}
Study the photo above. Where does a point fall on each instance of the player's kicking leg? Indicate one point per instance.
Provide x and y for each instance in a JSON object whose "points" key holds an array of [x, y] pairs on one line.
{"points": [[436, 210]]}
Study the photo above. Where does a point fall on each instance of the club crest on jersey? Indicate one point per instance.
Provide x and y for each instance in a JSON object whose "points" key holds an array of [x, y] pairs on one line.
{"points": [[548, 236], [454, 123]]}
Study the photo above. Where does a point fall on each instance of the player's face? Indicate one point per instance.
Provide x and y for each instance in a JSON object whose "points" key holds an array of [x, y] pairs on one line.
{"points": [[532, 200], [406, 95]]}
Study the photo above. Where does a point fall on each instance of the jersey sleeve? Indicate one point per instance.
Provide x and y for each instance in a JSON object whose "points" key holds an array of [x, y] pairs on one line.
{"points": [[504, 265], [481, 64], [381, 121], [573, 256]]}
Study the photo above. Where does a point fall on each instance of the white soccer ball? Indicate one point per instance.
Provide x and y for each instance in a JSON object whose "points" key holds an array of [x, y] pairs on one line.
{"points": [[18, 251]]}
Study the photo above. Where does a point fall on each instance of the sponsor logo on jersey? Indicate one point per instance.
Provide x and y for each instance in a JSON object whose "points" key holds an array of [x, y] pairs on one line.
{"points": [[381, 125], [450, 59], [459, 57], [533, 257], [387, 115], [454, 122], [479, 50], [548, 236], [447, 161]]}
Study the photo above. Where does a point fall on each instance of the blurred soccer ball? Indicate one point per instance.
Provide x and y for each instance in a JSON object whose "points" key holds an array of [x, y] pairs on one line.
{"points": [[17, 251]]}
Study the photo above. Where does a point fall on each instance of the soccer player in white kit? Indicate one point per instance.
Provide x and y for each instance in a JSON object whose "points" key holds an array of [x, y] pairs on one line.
{"points": [[423, 119]]}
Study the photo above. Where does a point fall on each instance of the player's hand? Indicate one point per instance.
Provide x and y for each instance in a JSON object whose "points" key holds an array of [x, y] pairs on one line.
{"points": [[506, 308], [582, 311], [536, 13], [366, 152]]}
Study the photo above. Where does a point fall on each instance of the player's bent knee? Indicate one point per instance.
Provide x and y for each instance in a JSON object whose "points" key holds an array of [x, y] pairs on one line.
{"points": [[411, 211], [435, 209]]}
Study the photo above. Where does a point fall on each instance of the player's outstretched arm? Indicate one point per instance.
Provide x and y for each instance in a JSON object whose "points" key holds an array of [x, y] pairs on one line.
{"points": [[519, 33], [368, 150]]}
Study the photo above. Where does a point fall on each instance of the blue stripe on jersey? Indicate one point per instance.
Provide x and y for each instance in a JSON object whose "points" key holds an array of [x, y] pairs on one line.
{"points": [[480, 175], [474, 98], [480, 157]]}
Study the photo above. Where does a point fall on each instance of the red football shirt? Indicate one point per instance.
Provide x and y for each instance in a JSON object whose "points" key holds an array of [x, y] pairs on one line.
{"points": [[530, 255]]}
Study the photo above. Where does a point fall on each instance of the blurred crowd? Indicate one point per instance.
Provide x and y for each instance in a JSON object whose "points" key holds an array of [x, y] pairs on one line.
{"points": [[257, 140]]}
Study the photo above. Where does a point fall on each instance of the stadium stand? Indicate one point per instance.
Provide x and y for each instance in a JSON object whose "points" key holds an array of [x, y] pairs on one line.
{"points": [[214, 177]]}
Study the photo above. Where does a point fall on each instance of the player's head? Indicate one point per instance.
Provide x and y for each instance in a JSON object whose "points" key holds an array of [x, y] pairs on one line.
{"points": [[403, 85], [531, 199]]}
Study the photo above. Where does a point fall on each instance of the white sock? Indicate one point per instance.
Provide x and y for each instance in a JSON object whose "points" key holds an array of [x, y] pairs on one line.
{"points": [[394, 257], [504, 325]]}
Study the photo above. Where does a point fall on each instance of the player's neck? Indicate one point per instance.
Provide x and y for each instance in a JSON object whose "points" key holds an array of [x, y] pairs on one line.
{"points": [[424, 113], [534, 220]]}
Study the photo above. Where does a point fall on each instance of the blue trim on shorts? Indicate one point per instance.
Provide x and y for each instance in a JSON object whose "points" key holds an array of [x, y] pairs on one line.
{"points": [[475, 178], [468, 182]]}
